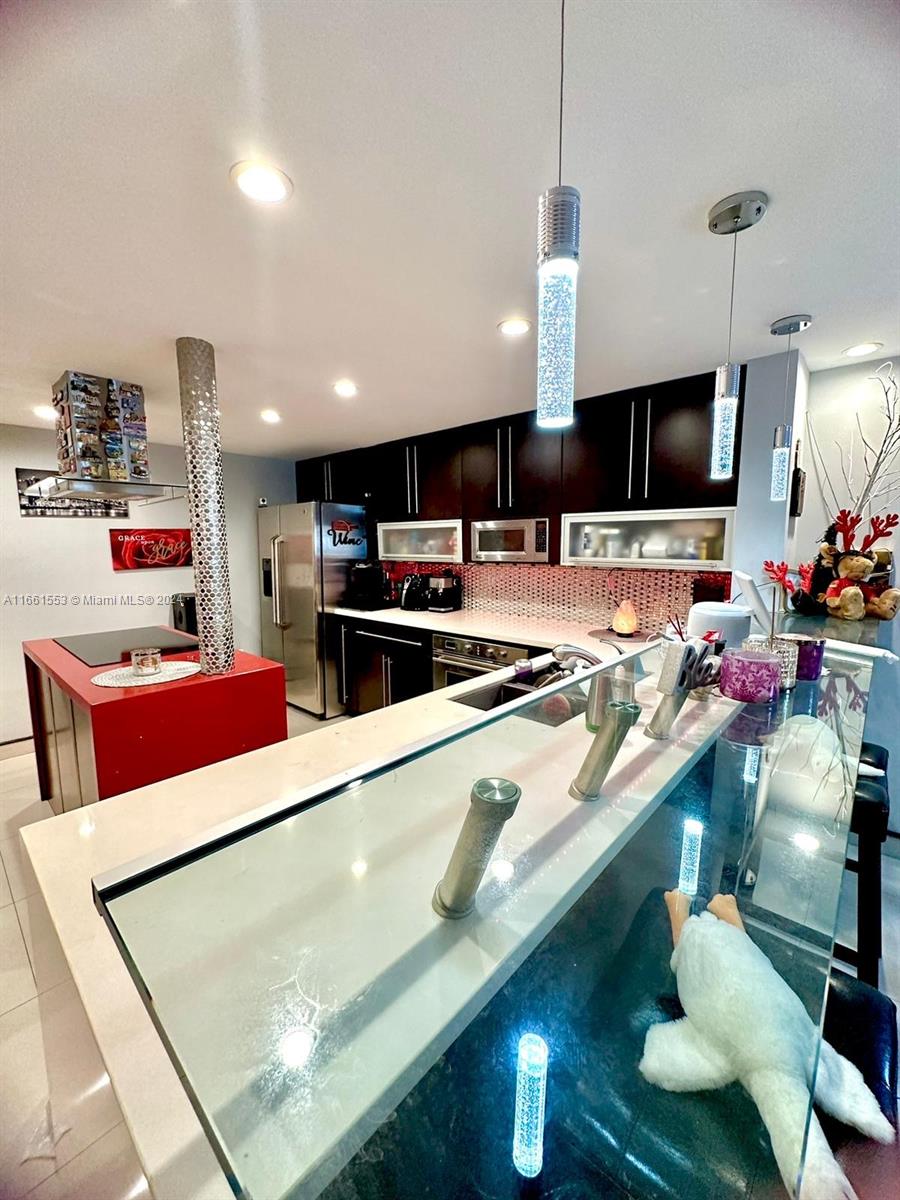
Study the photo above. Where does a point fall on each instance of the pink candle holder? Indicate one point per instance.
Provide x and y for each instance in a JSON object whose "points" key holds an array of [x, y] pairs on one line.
{"points": [[753, 676]]}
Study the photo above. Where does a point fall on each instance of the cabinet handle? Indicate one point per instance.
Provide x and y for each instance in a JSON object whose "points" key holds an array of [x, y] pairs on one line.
{"points": [[647, 451], [509, 462], [346, 693], [631, 450], [383, 637], [390, 689], [383, 683], [499, 501], [408, 487], [416, 475]]}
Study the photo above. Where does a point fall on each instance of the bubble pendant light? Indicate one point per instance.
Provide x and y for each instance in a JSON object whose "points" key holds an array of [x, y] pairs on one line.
{"points": [[780, 482], [730, 216], [559, 237]]}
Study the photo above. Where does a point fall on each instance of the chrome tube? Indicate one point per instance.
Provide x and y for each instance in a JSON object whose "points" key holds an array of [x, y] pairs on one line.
{"points": [[206, 500], [660, 726], [615, 721], [491, 804]]}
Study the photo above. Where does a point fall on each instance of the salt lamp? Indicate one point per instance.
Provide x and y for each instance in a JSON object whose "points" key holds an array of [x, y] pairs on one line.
{"points": [[624, 623]]}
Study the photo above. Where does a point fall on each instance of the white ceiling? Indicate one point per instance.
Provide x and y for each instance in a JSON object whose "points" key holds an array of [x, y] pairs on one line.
{"points": [[419, 134]]}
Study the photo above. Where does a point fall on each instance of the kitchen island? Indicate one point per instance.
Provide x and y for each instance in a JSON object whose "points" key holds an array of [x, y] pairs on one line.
{"points": [[347, 884]]}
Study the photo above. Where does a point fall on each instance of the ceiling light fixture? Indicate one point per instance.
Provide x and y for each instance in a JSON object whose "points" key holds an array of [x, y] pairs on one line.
{"points": [[862, 349], [514, 327], [559, 245], [45, 411], [779, 485], [729, 217], [270, 416], [259, 182], [346, 389]]}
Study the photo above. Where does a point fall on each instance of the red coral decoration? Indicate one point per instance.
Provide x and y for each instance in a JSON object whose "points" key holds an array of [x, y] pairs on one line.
{"points": [[846, 524], [805, 571], [779, 574], [881, 527]]}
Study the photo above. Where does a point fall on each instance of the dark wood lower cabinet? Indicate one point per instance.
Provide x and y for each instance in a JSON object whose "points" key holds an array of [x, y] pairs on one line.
{"points": [[385, 668]]}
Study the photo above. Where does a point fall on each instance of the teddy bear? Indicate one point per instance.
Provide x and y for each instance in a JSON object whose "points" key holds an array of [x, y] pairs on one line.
{"points": [[852, 597], [838, 582]]}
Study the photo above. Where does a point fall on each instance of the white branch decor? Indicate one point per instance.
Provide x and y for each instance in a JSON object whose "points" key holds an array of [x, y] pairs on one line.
{"points": [[870, 480]]}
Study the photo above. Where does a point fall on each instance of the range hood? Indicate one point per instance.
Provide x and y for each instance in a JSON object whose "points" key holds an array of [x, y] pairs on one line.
{"points": [[62, 487]]}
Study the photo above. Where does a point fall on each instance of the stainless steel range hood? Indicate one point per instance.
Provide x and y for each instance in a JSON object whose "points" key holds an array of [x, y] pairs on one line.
{"points": [[62, 487]]}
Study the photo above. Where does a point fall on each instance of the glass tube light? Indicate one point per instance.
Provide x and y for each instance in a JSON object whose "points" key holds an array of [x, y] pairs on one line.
{"points": [[781, 463], [689, 873], [725, 406], [531, 1096], [559, 231]]}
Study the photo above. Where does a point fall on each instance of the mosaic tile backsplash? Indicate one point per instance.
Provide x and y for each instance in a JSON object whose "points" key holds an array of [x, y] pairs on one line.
{"points": [[572, 593]]}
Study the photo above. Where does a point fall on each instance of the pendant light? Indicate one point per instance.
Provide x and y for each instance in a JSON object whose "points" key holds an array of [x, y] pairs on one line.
{"points": [[730, 216], [559, 236], [781, 445]]}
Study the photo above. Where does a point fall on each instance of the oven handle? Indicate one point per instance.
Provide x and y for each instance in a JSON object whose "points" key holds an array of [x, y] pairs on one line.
{"points": [[478, 668]]}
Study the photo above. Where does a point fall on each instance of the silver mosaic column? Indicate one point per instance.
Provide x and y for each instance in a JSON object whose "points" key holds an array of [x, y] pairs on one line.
{"points": [[206, 498]]}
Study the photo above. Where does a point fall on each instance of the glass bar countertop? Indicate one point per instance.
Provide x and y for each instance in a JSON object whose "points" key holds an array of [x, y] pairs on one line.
{"points": [[337, 1038]]}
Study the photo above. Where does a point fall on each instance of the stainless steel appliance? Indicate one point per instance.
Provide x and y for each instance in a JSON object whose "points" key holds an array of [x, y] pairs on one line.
{"points": [[306, 552], [444, 593], [520, 539], [455, 659], [367, 589]]}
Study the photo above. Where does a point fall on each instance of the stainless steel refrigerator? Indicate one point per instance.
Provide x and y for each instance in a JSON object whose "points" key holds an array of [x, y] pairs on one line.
{"points": [[305, 555]]}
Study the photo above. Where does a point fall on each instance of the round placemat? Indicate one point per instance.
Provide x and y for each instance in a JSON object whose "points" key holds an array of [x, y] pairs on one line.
{"points": [[125, 676]]}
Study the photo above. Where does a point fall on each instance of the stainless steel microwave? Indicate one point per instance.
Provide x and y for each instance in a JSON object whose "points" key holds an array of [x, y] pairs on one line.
{"points": [[523, 539]]}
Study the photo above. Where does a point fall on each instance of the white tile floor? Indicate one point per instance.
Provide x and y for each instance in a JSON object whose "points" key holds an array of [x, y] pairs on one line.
{"points": [[96, 1162]]}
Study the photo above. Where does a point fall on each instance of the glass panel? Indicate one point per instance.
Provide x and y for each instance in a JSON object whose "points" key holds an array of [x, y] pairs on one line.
{"points": [[339, 1039], [657, 539], [425, 542], [495, 541]]}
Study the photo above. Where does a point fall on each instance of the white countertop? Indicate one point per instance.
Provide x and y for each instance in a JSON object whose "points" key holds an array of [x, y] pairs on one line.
{"points": [[497, 627], [69, 850]]}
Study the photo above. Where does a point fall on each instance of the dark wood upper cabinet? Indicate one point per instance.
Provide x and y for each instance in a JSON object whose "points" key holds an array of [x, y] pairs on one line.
{"points": [[346, 477], [510, 468], [679, 441], [419, 479], [598, 454]]}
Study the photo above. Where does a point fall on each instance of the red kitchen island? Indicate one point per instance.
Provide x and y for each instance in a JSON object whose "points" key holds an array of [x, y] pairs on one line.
{"points": [[93, 742]]}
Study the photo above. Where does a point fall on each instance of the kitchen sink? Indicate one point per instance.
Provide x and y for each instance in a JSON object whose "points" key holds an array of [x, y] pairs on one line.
{"points": [[555, 709]]}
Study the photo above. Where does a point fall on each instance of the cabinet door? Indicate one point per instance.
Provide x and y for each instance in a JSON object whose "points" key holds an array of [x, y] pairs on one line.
{"points": [[533, 467], [312, 479], [368, 674], [408, 674], [601, 454], [437, 476], [679, 442], [351, 473], [483, 460], [391, 483]]}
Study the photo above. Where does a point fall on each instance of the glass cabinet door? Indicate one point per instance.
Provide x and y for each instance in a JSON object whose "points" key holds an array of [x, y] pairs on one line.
{"points": [[694, 538], [420, 541]]}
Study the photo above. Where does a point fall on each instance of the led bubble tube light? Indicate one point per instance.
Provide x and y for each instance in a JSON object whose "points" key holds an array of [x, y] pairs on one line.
{"points": [[531, 1096], [725, 407], [559, 233], [689, 873]]}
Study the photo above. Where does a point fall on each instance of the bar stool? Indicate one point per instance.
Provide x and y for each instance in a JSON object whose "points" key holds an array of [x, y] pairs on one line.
{"points": [[869, 821]]}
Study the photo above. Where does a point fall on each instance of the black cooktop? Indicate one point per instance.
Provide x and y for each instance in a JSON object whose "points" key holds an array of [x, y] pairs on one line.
{"points": [[98, 649]]}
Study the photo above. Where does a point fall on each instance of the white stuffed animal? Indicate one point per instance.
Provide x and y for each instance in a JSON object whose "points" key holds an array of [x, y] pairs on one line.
{"points": [[744, 1023]]}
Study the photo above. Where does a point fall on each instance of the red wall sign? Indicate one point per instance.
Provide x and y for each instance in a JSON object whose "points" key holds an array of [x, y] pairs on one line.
{"points": [[139, 549]]}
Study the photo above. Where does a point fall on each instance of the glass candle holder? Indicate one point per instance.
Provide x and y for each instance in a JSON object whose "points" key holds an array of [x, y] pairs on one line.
{"points": [[786, 653], [751, 675], [810, 655], [146, 661]]}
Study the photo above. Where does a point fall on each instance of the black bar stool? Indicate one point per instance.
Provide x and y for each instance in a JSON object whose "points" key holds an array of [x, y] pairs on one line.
{"points": [[869, 821]]}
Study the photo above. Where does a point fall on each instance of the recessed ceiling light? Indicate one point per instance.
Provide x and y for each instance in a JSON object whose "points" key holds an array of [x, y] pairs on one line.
{"points": [[862, 349], [270, 416], [346, 389], [514, 327], [45, 411], [259, 182]]}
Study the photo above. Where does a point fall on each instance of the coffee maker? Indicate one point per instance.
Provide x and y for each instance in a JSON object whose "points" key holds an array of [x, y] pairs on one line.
{"points": [[444, 593], [366, 589]]}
